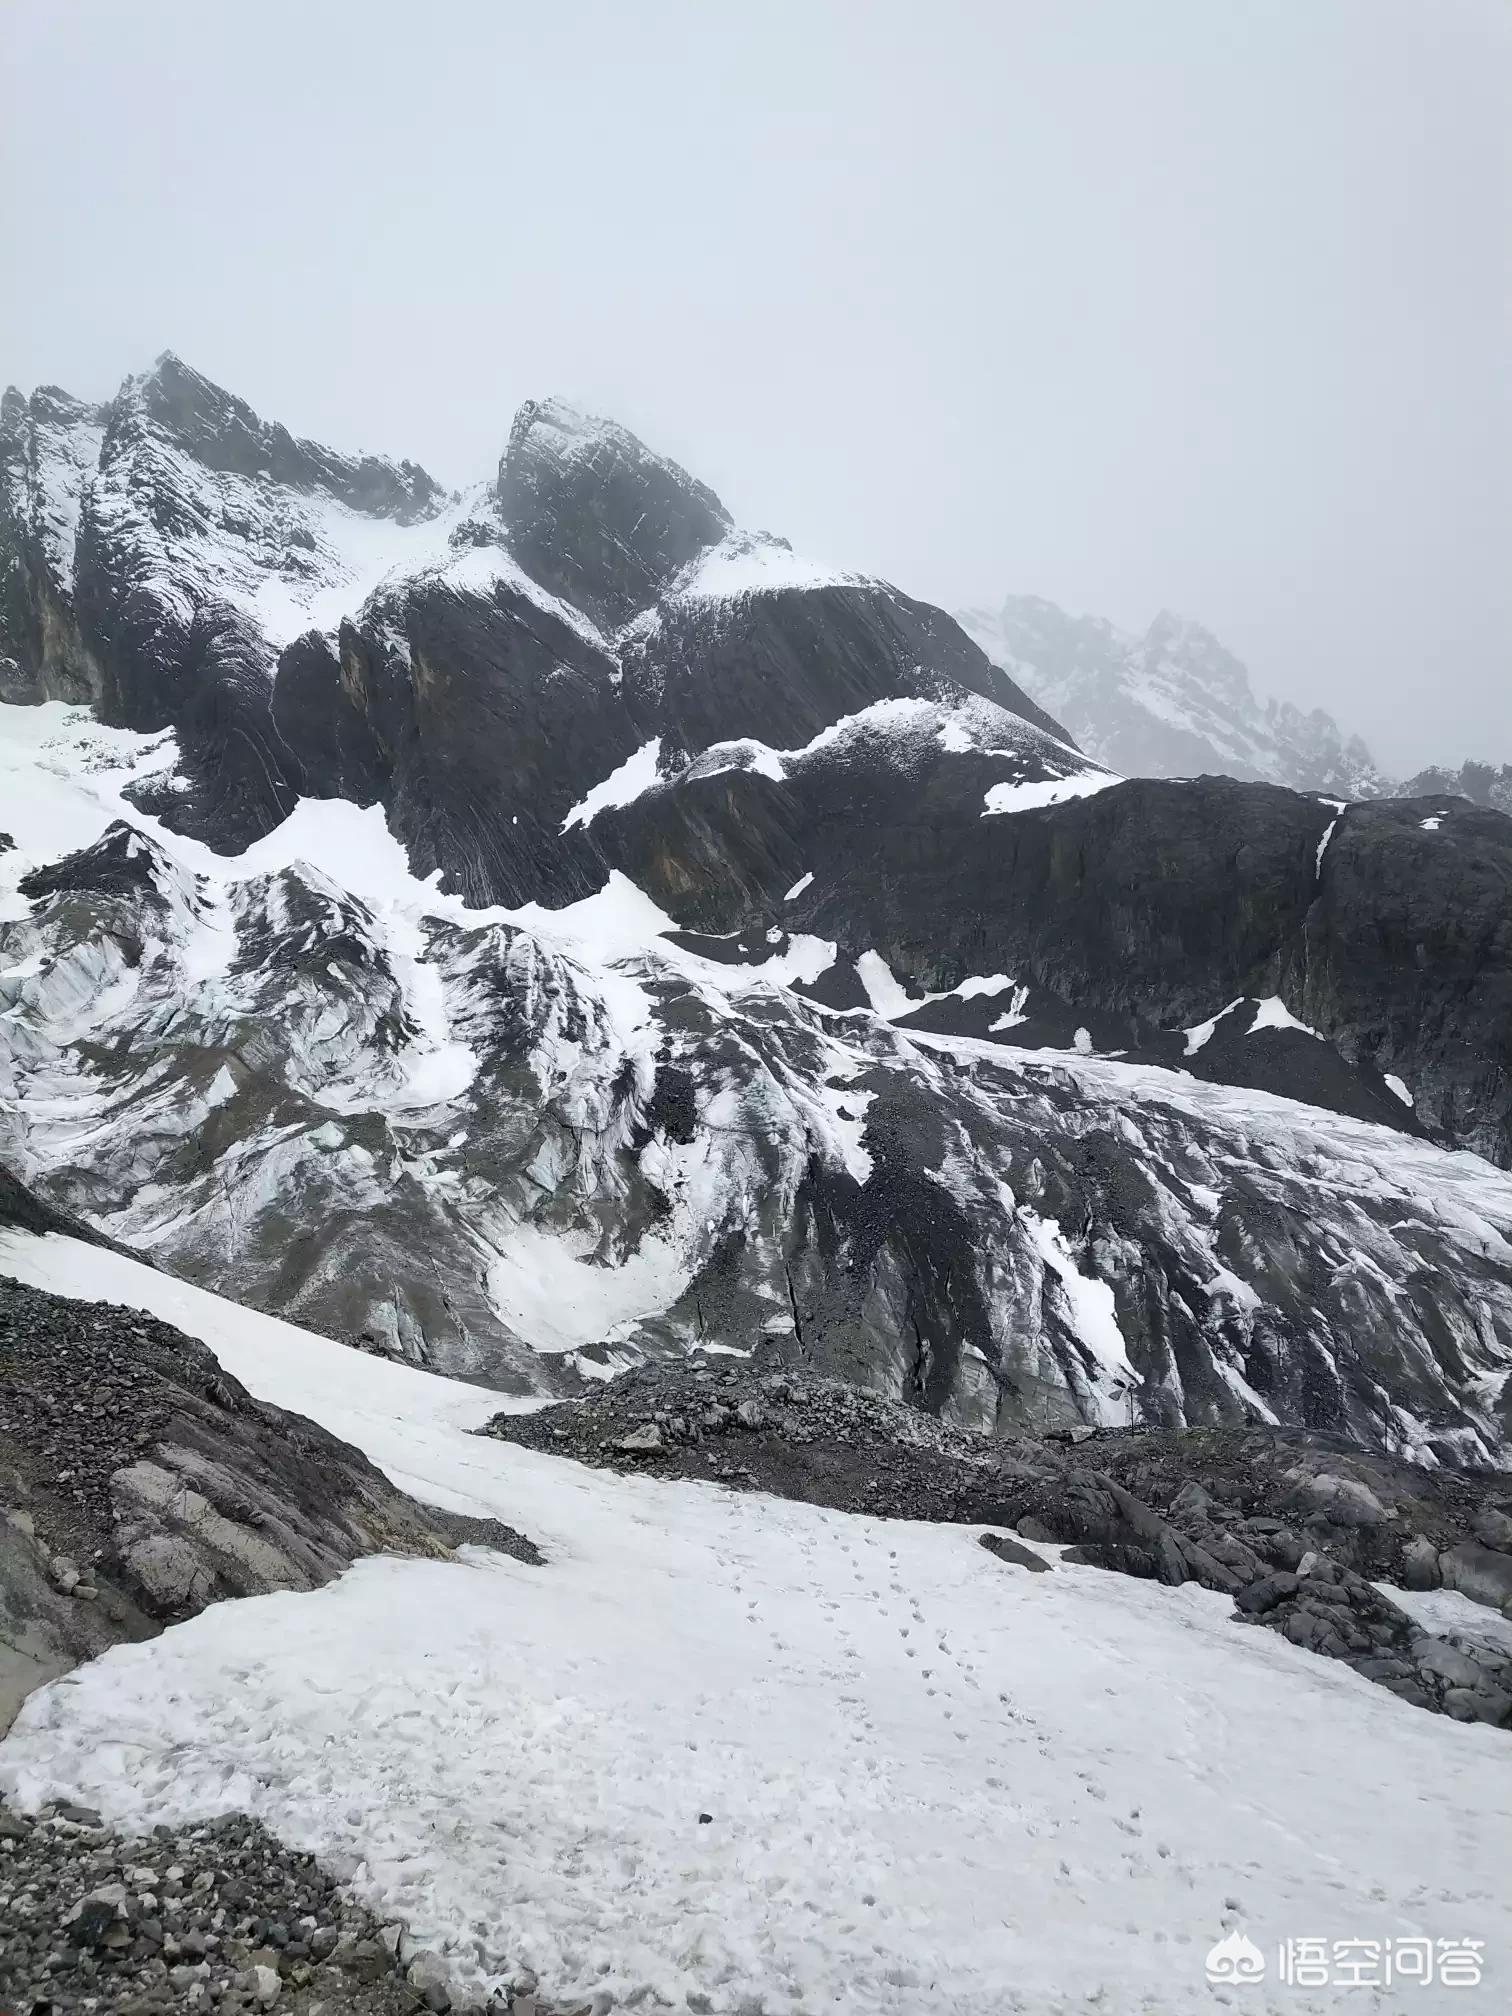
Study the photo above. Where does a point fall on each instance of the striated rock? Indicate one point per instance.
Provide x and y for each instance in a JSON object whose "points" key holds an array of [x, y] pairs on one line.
{"points": [[595, 516], [175, 1485]]}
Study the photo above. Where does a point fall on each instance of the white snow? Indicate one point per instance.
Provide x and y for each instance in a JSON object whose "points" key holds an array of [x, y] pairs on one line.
{"points": [[1014, 1014], [1046, 791], [1328, 831], [1447, 1611], [1273, 1013], [798, 888], [988, 984], [1396, 1085], [1092, 1312], [1432, 825], [1203, 1032], [936, 1783], [555, 1289], [636, 774], [884, 990], [890, 999], [354, 554], [754, 563]]}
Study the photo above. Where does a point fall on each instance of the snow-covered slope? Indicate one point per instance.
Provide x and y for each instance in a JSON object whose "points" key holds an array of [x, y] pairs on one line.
{"points": [[726, 1753], [1172, 703]]}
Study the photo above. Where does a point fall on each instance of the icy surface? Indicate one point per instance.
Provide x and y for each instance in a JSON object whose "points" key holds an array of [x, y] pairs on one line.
{"points": [[933, 1782]]}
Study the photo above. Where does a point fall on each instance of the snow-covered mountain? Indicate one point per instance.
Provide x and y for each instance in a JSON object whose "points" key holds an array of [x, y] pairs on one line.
{"points": [[693, 997], [551, 927], [1172, 703]]}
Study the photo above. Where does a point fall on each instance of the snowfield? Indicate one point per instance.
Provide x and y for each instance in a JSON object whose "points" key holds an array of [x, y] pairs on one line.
{"points": [[932, 1783]]}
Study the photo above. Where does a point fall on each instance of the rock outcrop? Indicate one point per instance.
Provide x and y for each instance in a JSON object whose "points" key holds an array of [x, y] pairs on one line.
{"points": [[142, 1483]]}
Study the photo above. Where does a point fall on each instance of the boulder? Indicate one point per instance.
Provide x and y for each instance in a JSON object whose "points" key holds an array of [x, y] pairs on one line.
{"points": [[1480, 1573], [1014, 1554]]}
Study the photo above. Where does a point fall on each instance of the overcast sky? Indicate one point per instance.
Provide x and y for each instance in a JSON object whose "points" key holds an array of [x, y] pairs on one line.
{"points": [[1192, 303]]}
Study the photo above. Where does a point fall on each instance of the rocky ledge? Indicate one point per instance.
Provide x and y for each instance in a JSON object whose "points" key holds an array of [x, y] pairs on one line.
{"points": [[216, 1917], [1300, 1529]]}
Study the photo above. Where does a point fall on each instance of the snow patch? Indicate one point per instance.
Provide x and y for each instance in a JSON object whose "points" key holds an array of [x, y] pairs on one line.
{"points": [[1273, 1013], [798, 888], [1203, 1032], [621, 787], [754, 563], [1093, 1311], [1046, 791]]}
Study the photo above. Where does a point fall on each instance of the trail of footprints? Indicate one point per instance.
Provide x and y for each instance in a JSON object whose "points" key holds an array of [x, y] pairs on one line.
{"points": [[945, 1672]]}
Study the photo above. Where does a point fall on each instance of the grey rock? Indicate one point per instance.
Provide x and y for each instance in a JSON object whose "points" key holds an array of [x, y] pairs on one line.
{"points": [[643, 1441], [1261, 1596], [1017, 1556], [1420, 1565], [265, 1985], [1481, 1573], [1344, 1501]]}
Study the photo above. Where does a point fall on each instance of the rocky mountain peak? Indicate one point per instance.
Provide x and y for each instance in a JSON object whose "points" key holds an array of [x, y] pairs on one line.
{"points": [[224, 434], [1172, 703], [1178, 640], [597, 517]]}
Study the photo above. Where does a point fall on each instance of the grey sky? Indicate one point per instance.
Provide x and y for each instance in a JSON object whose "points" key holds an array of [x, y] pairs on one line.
{"points": [[1202, 303]]}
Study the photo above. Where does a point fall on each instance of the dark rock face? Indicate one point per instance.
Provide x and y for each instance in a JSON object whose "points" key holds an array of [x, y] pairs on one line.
{"points": [[143, 1483], [49, 445], [486, 714], [1135, 913], [1406, 957], [781, 667], [594, 516]]}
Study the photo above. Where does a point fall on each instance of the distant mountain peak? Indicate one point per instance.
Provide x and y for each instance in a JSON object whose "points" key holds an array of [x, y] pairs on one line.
{"points": [[1173, 703]]}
